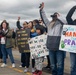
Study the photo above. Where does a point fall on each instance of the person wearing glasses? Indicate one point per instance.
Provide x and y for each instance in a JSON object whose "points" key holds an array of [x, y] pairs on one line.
{"points": [[53, 39], [23, 55]]}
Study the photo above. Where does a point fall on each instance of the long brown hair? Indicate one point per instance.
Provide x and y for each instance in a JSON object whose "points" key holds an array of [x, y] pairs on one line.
{"points": [[7, 25]]}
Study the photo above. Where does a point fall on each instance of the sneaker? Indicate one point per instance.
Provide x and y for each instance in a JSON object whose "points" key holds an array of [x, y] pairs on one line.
{"points": [[25, 66], [26, 70], [33, 70], [37, 72], [13, 65], [1, 61], [3, 65], [40, 73], [20, 66], [47, 70], [47, 66]]}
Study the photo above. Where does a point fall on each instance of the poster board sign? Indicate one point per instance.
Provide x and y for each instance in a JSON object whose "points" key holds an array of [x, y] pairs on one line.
{"points": [[68, 39], [38, 46], [22, 40]]}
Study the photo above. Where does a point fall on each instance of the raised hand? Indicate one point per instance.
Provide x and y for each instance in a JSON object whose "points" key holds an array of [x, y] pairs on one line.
{"points": [[42, 6], [18, 18]]}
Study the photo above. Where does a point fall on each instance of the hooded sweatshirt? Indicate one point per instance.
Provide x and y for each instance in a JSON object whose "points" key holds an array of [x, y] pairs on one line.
{"points": [[54, 31]]}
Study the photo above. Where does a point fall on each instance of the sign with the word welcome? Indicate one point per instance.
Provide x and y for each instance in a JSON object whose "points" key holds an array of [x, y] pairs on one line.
{"points": [[38, 46], [68, 38], [22, 40]]}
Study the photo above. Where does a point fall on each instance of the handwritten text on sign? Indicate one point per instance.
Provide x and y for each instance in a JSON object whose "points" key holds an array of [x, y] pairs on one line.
{"points": [[38, 46], [68, 39], [22, 40]]}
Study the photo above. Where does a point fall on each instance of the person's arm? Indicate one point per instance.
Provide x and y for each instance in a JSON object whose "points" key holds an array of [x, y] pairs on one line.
{"points": [[69, 15], [9, 34], [43, 15], [18, 23], [61, 18], [4, 33]]}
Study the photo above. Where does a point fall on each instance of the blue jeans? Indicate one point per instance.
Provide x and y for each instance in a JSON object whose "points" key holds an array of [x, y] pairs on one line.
{"points": [[73, 63], [0, 52], [57, 62], [6, 50]]}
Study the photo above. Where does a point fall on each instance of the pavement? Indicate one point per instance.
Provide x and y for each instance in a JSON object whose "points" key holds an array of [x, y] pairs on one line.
{"points": [[19, 71]]}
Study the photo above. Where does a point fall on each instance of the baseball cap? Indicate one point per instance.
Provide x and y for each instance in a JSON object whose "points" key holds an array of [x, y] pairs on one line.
{"points": [[54, 15]]}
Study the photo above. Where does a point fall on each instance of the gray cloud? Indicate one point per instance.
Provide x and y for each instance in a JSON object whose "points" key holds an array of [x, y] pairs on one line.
{"points": [[28, 9]]}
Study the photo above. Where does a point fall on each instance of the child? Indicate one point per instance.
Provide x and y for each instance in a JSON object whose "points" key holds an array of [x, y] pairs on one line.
{"points": [[38, 61]]}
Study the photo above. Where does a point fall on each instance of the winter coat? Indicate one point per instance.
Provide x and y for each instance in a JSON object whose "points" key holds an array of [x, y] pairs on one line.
{"points": [[8, 37]]}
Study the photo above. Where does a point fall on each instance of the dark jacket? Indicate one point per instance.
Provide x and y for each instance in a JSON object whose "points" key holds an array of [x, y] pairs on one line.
{"points": [[18, 25], [13, 35], [9, 39], [69, 16], [8, 35]]}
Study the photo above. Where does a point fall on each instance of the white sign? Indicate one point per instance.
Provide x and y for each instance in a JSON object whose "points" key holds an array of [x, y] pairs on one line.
{"points": [[68, 38], [38, 46]]}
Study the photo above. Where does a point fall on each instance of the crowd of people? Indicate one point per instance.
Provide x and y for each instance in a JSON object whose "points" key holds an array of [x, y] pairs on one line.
{"points": [[53, 29]]}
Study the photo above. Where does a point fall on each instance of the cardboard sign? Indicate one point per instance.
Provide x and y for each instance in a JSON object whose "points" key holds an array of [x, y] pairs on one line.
{"points": [[38, 46], [22, 40], [68, 39]]}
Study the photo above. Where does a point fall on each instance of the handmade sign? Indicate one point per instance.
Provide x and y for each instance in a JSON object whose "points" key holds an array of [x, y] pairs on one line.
{"points": [[38, 46], [22, 40], [68, 39]]}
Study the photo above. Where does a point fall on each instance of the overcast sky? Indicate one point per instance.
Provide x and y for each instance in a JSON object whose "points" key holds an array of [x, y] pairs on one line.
{"points": [[28, 9]]}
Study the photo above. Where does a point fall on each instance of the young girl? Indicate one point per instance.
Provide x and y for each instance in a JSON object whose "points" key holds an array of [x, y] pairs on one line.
{"points": [[38, 61]]}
